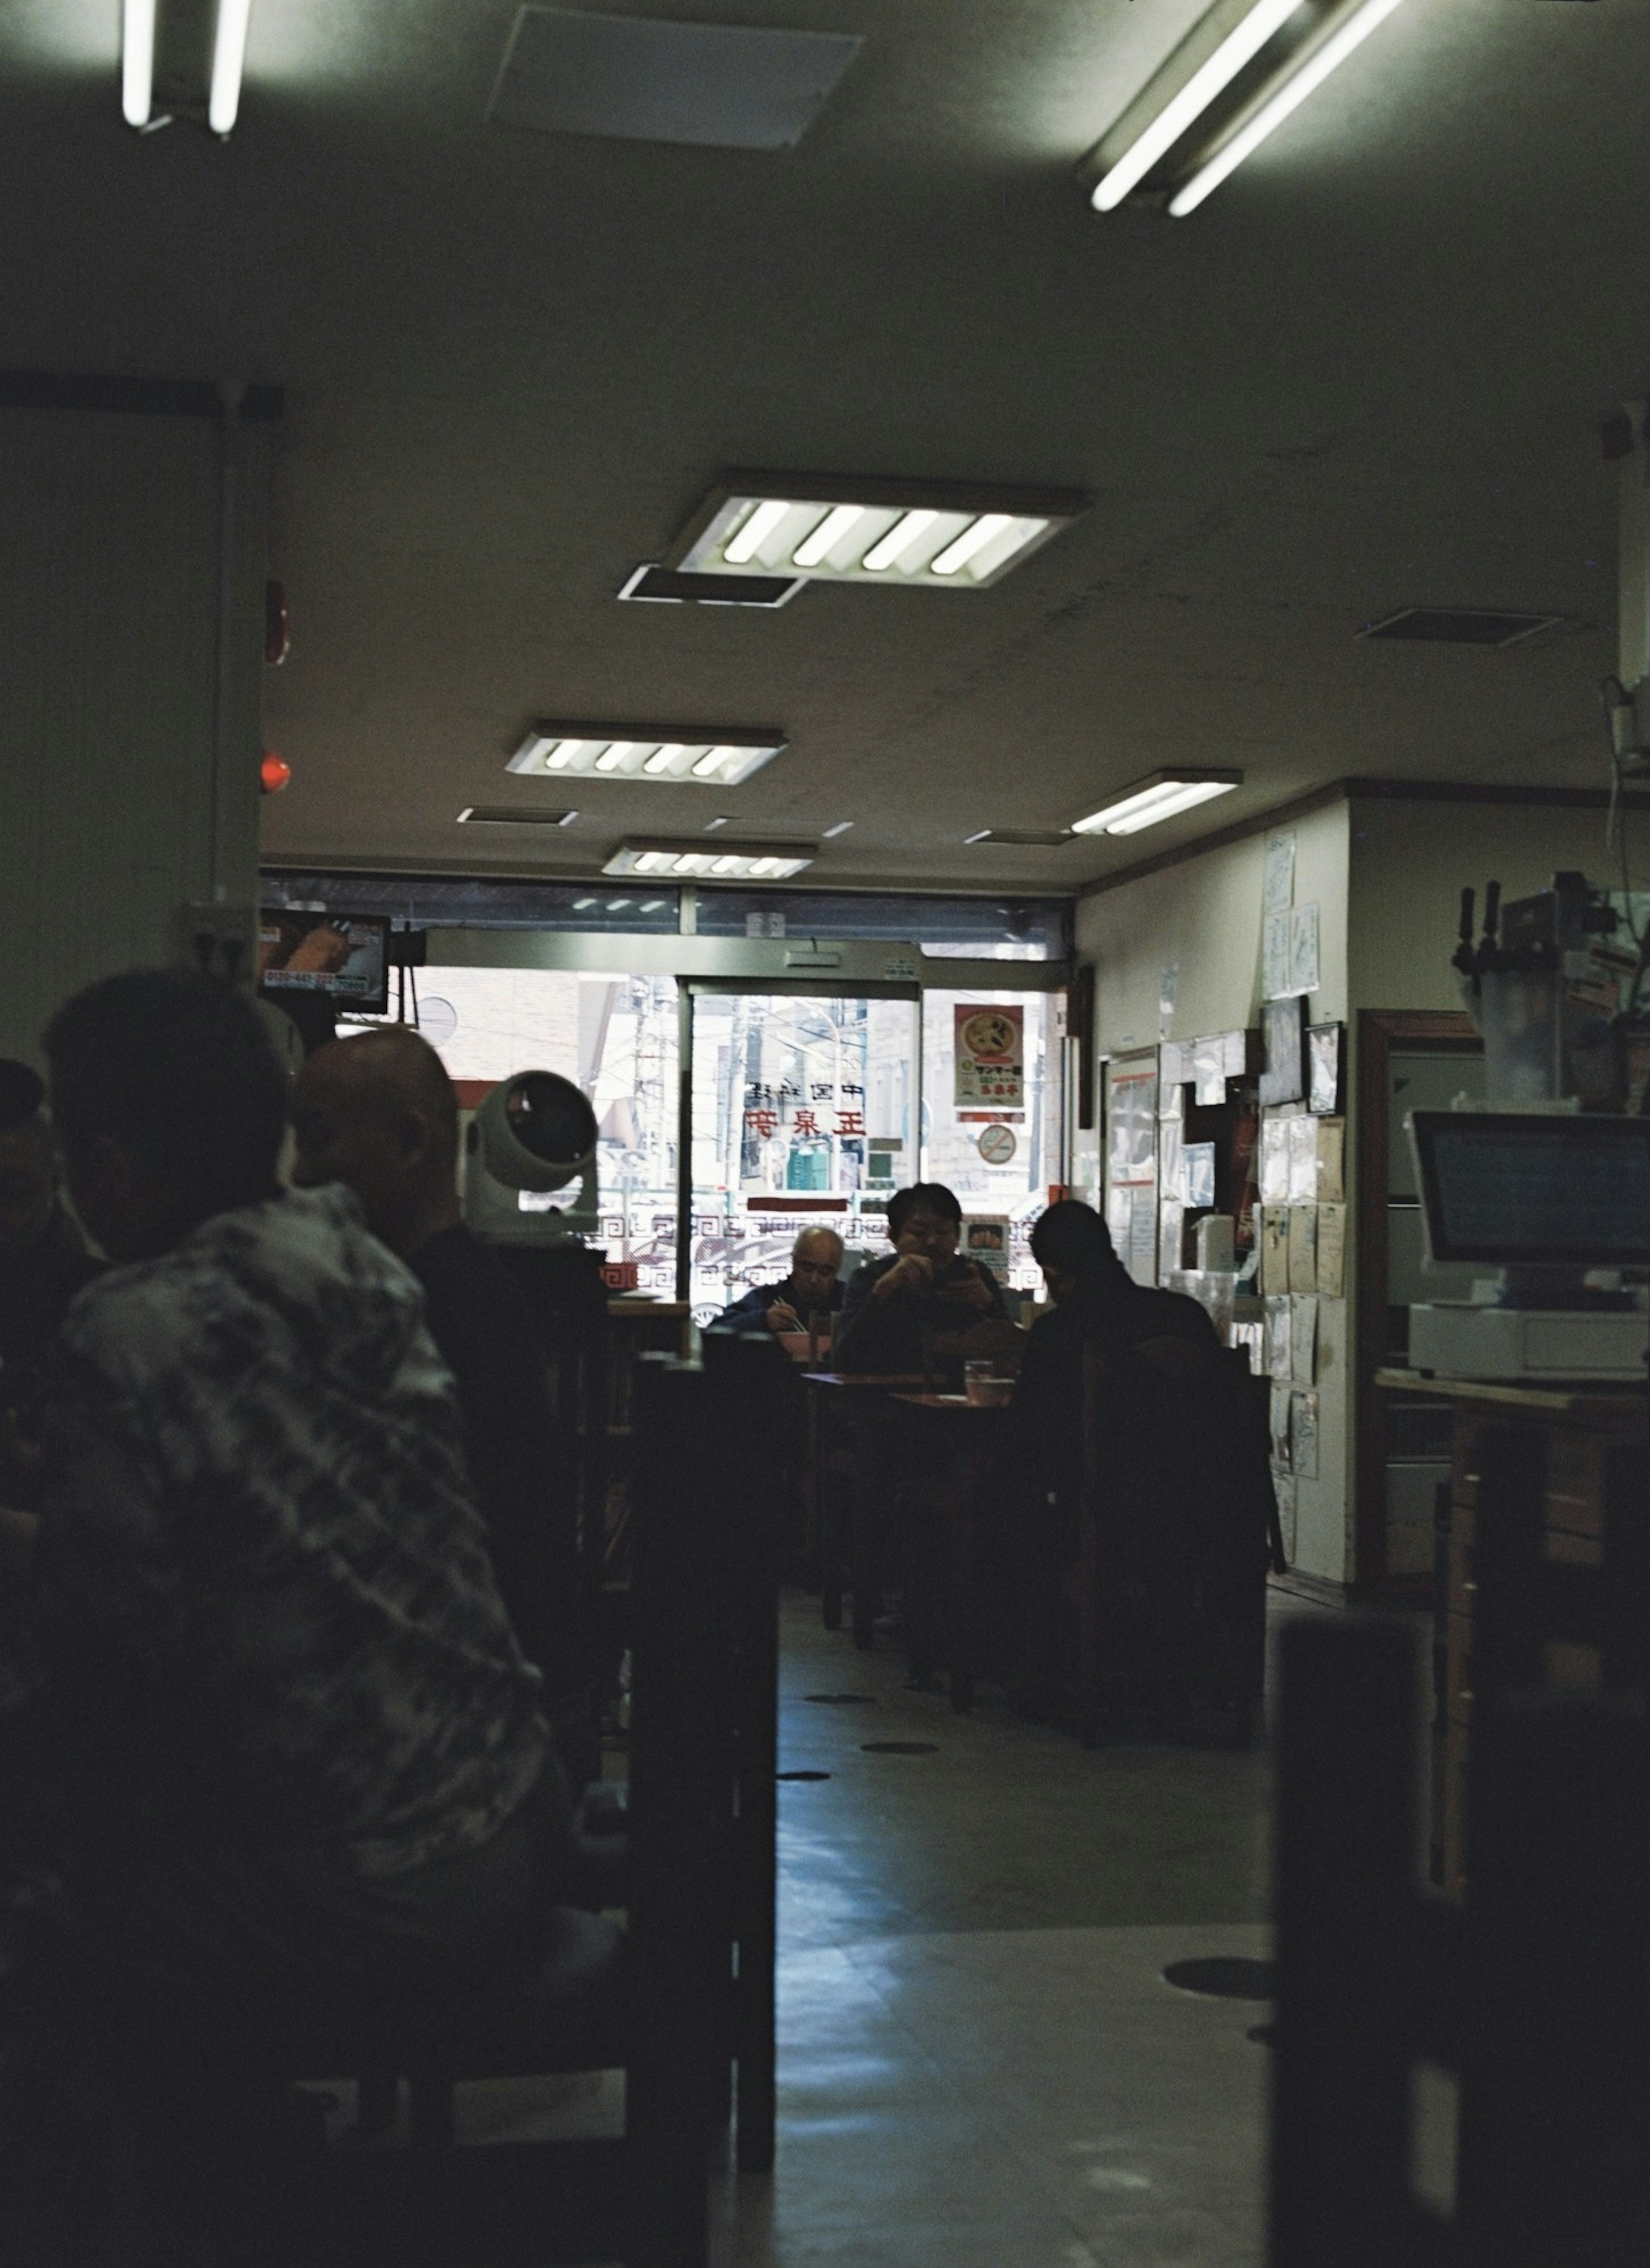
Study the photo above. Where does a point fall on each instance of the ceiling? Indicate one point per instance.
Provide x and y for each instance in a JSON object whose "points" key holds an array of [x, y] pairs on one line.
{"points": [[1368, 372]]}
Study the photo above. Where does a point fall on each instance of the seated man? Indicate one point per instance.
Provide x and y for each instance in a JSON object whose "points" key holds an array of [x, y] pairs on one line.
{"points": [[378, 1113], [300, 1753], [43, 1264], [897, 1307], [806, 1298]]}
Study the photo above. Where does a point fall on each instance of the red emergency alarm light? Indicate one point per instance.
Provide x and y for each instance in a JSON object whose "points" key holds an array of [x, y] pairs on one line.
{"points": [[273, 773]]}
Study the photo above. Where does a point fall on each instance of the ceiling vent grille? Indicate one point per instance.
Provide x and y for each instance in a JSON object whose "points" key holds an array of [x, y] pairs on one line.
{"points": [[513, 814], [669, 587], [1461, 626], [1025, 838]]}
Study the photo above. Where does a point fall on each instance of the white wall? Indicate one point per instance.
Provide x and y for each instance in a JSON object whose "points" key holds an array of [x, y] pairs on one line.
{"points": [[109, 542], [1203, 916]]}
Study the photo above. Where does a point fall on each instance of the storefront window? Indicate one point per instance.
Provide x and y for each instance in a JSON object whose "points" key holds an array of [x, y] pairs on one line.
{"points": [[802, 1118]]}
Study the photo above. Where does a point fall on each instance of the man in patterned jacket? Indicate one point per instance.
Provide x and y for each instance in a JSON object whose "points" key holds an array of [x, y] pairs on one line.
{"points": [[302, 1751]]}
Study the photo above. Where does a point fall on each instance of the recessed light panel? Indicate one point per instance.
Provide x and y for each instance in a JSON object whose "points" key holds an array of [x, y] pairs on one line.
{"points": [[684, 755], [830, 530], [687, 862], [1490, 626], [1162, 795]]}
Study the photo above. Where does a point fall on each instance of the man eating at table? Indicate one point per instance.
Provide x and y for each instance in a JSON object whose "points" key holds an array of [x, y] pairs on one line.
{"points": [[812, 1292]]}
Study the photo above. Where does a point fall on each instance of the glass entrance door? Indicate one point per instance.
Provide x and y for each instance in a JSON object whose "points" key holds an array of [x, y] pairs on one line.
{"points": [[805, 1115]]}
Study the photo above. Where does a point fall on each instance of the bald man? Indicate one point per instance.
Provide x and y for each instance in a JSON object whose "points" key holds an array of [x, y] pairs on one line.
{"points": [[811, 1289], [378, 1113]]}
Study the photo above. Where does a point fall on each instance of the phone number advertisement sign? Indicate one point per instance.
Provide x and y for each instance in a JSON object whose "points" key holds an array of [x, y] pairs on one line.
{"points": [[990, 1058]]}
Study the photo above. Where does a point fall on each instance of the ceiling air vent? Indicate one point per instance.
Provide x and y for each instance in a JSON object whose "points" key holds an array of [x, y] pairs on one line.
{"points": [[669, 587], [513, 814], [1025, 838], [635, 78], [1461, 626]]}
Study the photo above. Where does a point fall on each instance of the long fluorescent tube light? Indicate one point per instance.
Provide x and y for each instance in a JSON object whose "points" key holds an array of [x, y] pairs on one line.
{"points": [[138, 61], [830, 531], [826, 528], [1164, 795], [898, 541], [972, 541], [755, 532], [1288, 99], [1239, 47], [229, 58], [660, 754], [750, 861]]}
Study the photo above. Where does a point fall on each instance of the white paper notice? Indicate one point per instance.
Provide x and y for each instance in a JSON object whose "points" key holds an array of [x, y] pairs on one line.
{"points": [[1275, 956], [1303, 1339], [1278, 891], [1303, 1159], [1303, 949]]}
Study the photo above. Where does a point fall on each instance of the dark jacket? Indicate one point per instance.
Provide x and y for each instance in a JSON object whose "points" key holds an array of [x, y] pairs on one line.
{"points": [[748, 1316], [896, 1336], [36, 1288]]}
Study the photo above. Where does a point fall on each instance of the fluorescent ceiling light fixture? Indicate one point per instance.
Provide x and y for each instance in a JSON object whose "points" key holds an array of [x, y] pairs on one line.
{"points": [[229, 58], [841, 828], [1239, 46], [138, 61], [748, 861], [1289, 97], [824, 528], [682, 754], [1164, 795]]}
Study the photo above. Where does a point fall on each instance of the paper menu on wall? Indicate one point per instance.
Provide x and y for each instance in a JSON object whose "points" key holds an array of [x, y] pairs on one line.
{"points": [[1171, 1159], [1302, 1137], [1303, 1337], [1284, 1490], [1119, 1215], [1303, 1436], [1274, 1243], [1332, 1159], [1274, 956], [1278, 889], [1279, 1329], [1303, 1247], [1332, 1250], [1208, 1068], [1143, 1236], [1198, 1160], [1274, 1160], [1281, 1397], [1303, 949], [1171, 1221]]}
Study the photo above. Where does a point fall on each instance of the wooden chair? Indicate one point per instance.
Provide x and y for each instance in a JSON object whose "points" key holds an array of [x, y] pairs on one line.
{"points": [[1177, 1502], [1535, 1992], [687, 1997]]}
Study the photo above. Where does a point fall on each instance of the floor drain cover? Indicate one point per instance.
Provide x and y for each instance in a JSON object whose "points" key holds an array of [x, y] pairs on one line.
{"points": [[802, 1775], [901, 1747], [1226, 1979], [841, 1699]]}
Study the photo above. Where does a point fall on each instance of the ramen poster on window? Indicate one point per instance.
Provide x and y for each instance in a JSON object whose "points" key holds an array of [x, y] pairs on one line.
{"points": [[991, 1057]]}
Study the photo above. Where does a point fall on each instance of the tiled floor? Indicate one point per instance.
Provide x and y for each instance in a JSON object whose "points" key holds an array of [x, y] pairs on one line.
{"points": [[980, 2063]]}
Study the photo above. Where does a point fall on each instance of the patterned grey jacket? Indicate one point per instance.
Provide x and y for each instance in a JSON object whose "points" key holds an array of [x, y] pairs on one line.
{"points": [[262, 1604]]}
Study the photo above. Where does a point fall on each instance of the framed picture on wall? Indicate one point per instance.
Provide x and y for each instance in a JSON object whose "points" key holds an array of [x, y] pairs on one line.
{"points": [[1283, 1036], [1326, 1056]]}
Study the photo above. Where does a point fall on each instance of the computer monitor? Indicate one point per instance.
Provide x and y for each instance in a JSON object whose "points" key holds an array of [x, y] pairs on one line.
{"points": [[1534, 1189], [343, 957]]}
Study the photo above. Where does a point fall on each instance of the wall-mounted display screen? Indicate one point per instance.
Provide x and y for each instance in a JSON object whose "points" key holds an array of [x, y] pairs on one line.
{"points": [[344, 956]]}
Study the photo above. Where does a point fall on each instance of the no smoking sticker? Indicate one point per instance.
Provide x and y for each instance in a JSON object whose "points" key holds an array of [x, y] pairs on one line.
{"points": [[996, 1145]]}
